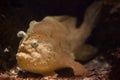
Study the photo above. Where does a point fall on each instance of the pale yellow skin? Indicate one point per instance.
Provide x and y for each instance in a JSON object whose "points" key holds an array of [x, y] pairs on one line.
{"points": [[58, 43]]}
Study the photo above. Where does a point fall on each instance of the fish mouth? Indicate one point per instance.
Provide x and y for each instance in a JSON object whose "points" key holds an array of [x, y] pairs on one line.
{"points": [[23, 59], [26, 62], [22, 56]]}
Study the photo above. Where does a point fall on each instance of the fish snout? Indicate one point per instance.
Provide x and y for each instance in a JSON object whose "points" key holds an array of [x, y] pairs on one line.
{"points": [[19, 56], [22, 56], [25, 48]]}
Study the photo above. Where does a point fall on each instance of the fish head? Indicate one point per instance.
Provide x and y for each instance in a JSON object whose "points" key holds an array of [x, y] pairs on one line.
{"points": [[35, 50]]}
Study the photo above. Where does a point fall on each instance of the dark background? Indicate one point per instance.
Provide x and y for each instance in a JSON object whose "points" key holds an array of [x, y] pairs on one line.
{"points": [[15, 15]]}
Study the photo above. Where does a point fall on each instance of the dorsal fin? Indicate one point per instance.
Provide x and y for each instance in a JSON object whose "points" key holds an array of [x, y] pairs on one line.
{"points": [[67, 21], [32, 26], [32, 23]]}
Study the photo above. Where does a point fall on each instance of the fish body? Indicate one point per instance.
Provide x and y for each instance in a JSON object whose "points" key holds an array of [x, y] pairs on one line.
{"points": [[53, 43]]}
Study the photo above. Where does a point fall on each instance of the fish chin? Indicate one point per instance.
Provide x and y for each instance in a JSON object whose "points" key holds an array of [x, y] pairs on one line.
{"points": [[24, 60], [27, 63]]}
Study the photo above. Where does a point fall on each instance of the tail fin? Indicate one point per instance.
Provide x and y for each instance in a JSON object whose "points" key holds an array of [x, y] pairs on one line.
{"points": [[92, 13], [90, 18]]}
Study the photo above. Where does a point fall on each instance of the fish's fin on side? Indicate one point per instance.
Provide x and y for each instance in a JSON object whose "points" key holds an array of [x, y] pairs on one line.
{"points": [[79, 69], [86, 52]]}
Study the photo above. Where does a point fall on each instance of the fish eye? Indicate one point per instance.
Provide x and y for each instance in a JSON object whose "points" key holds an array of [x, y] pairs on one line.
{"points": [[34, 43]]}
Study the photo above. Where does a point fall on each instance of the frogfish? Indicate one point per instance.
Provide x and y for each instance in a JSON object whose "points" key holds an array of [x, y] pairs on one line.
{"points": [[55, 43]]}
